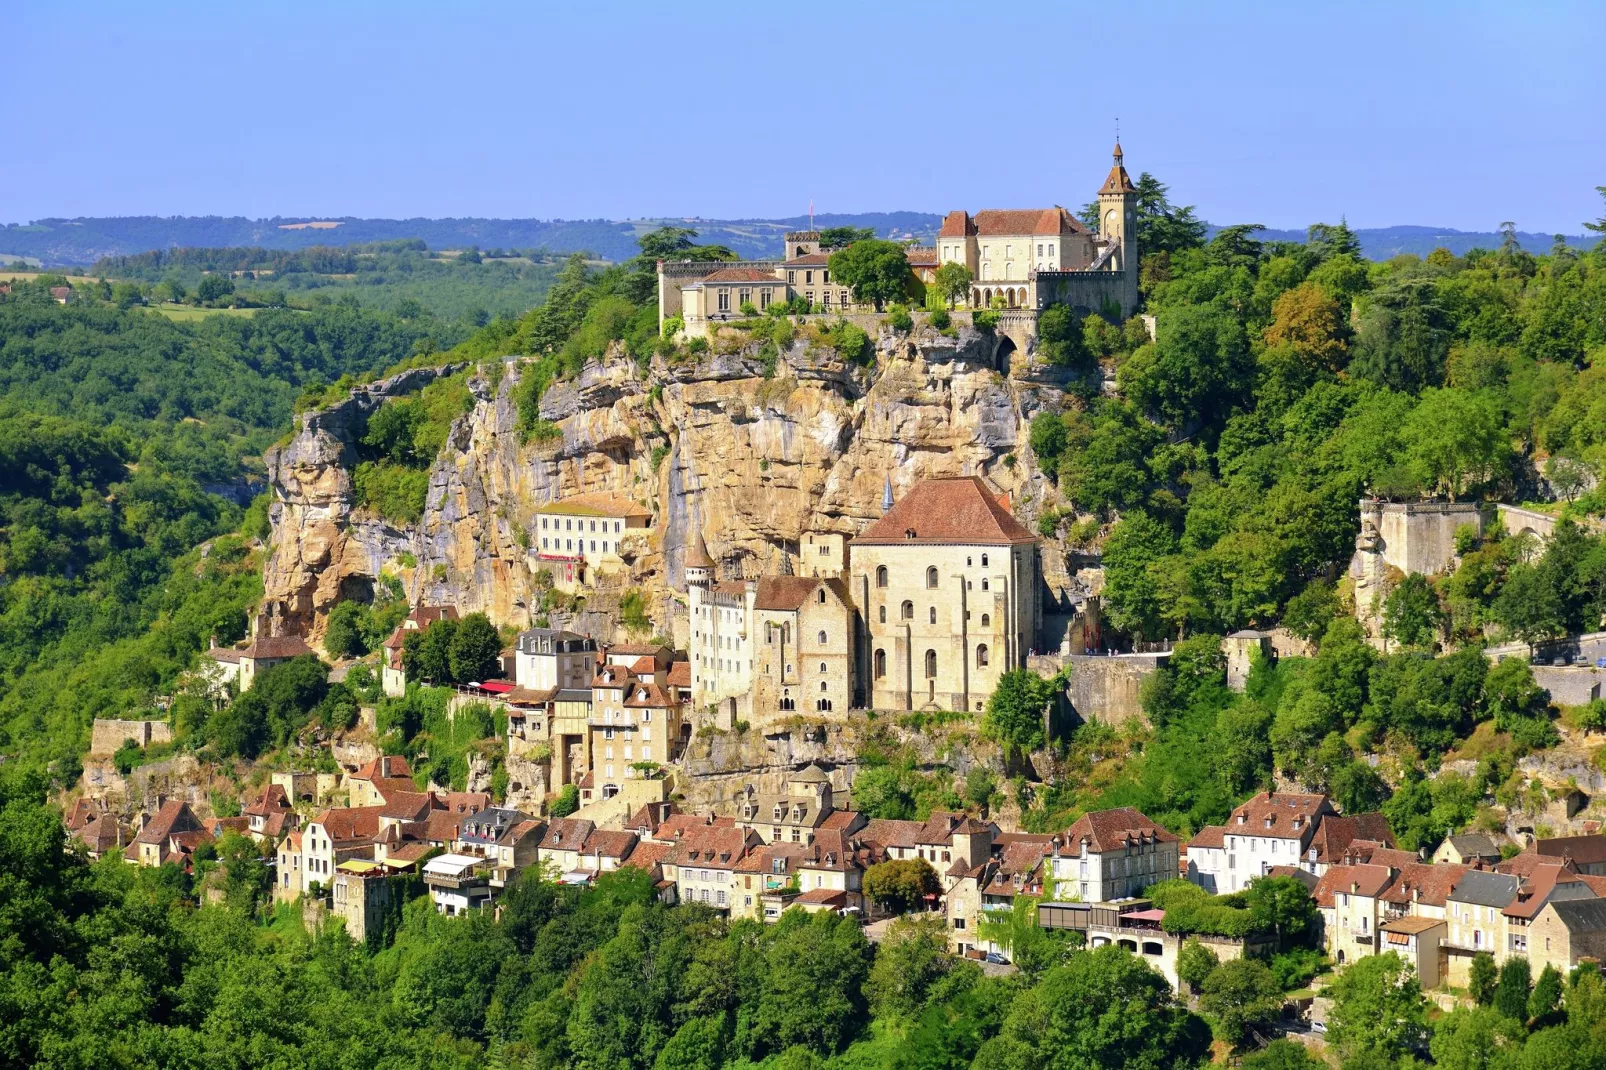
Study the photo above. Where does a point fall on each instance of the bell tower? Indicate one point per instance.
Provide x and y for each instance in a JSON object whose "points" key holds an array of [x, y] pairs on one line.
{"points": [[1118, 225]]}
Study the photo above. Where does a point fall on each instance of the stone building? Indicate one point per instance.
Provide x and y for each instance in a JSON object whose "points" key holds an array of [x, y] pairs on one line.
{"points": [[579, 537], [1035, 257], [804, 647], [721, 647], [549, 659], [1111, 854], [946, 587], [1399, 538]]}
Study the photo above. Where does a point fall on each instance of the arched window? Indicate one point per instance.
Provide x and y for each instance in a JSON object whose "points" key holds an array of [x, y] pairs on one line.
{"points": [[983, 560], [981, 656], [820, 596], [823, 705], [931, 665], [822, 638], [932, 613], [822, 671], [881, 576], [908, 611], [822, 682], [984, 583], [931, 576], [986, 620], [880, 664], [883, 613]]}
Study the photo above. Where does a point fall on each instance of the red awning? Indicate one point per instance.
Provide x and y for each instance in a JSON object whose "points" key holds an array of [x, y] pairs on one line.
{"points": [[496, 687], [1144, 915]]}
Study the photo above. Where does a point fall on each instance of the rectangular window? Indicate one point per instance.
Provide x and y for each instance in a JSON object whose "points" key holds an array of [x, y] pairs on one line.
{"points": [[808, 278], [1039, 248], [763, 299], [825, 299], [825, 277], [744, 297], [724, 300], [791, 278], [809, 297]]}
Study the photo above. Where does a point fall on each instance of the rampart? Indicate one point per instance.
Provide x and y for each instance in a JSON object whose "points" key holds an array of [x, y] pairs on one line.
{"points": [[107, 736], [673, 274], [1107, 688]]}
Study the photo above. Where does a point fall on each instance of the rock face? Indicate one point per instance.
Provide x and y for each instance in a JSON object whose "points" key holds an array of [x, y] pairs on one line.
{"points": [[753, 461]]}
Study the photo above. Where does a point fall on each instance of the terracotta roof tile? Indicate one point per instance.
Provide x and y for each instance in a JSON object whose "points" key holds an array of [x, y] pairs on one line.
{"points": [[276, 646], [745, 275], [679, 674], [998, 222], [954, 510], [1210, 836], [1112, 830]]}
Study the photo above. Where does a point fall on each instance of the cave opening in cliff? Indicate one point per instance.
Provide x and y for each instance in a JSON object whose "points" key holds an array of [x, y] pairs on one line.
{"points": [[1002, 355]]}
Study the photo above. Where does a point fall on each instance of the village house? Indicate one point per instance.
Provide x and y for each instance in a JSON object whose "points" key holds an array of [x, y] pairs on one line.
{"points": [[1585, 854], [171, 835], [793, 816], [1473, 914], [264, 652], [945, 584], [333, 837], [269, 816], [1111, 854], [370, 785], [549, 659], [1566, 932], [457, 884], [1271, 829], [703, 863], [393, 671], [508, 839], [559, 850], [1467, 849], [364, 893]]}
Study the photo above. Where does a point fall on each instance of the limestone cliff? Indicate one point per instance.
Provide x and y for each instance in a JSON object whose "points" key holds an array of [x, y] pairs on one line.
{"points": [[753, 460]]}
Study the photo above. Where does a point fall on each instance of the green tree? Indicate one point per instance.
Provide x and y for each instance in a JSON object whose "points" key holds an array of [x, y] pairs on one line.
{"points": [[1195, 373], [474, 649], [567, 802], [1104, 1008], [1282, 1055], [1195, 962], [1545, 999], [876, 271], [1059, 339], [839, 237], [1483, 976], [1284, 906], [952, 281], [1411, 613], [1567, 1047], [1378, 1009], [1243, 999], [343, 635], [1476, 1038], [901, 885], [910, 961], [426, 653], [810, 991], [213, 287], [1016, 709], [1511, 994], [1132, 599], [1454, 441]]}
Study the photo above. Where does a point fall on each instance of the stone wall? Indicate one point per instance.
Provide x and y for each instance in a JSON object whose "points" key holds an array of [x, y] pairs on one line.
{"points": [[107, 736], [1106, 688], [1399, 538]]}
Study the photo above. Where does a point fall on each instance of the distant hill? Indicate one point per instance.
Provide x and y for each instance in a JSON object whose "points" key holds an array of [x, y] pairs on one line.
{"points": [[81, 242]]}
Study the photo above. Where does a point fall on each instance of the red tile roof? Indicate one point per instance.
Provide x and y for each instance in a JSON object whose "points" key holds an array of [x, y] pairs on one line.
{"points": [[1210, 836], [679, 674], [809, 260], [646, 696], [712, 846], [276, 646], [826, 897], [1420, 882], [1335, 833], [613, 676], [998, 222], [957, 224], [350, 823], [566, 834], [389, 765], [609, 844], [1113, 830], [744, 275], [960, 510]]}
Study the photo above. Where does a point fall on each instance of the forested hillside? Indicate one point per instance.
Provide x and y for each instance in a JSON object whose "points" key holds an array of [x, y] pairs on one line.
{"points": [[114, 424], [467, 286]]}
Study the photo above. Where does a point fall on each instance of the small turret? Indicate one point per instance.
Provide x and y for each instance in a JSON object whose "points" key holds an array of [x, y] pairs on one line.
{"points": [[886, 496], [699, 565]]}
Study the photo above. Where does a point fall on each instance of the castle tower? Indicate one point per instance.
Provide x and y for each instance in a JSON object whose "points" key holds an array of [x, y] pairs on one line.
{"points": [[1118, 223], [699, 566]]}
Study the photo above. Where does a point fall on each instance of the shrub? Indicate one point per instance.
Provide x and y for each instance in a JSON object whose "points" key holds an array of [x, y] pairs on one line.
{"points": [[940, 320], [567, 802], [986, 320], [900, 320]]}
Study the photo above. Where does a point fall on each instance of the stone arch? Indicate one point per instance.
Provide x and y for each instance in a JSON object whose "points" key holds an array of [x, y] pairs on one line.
{"points": [[1009, 295], [880, 664], [975, 297], [1153, 947], [931, 665], [1002, 355], [1130, 945]]}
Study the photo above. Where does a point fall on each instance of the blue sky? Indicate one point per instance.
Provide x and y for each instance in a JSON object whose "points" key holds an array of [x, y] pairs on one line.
{"points": [[1446, 114]]}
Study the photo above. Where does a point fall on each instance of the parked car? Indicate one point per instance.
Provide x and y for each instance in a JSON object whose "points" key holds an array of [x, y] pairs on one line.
{"points": [[997, 959]]}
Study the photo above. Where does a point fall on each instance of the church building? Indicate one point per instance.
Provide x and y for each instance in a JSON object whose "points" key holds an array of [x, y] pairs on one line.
{"points": [[946, 585]]}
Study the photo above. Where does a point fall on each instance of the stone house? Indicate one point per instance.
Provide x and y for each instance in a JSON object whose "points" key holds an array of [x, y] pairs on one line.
{"points": [[171, 835], [722, 636], [560, 846], [362, 894], [333, 837], [374, 782], [1475, 920], [1111, 854], [805, 652], [1271, 829], [265, 652], [703, 863], [1415, 939], [946, 585], [1350, 899], [269, 816], [1566, 932], [1467, 849], [720, 295], [585, 536], [796, 815]]}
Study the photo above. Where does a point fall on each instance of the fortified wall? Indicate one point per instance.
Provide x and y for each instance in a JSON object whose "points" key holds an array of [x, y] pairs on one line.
{"points": [[1399, 538], [107, 736]]}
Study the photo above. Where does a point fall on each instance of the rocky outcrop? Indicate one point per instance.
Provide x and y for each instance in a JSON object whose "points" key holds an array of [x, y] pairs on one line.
{"points": [[751, 459]]}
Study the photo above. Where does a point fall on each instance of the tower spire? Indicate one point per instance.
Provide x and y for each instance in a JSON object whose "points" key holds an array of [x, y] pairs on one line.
{"points": [[886, 495]]}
